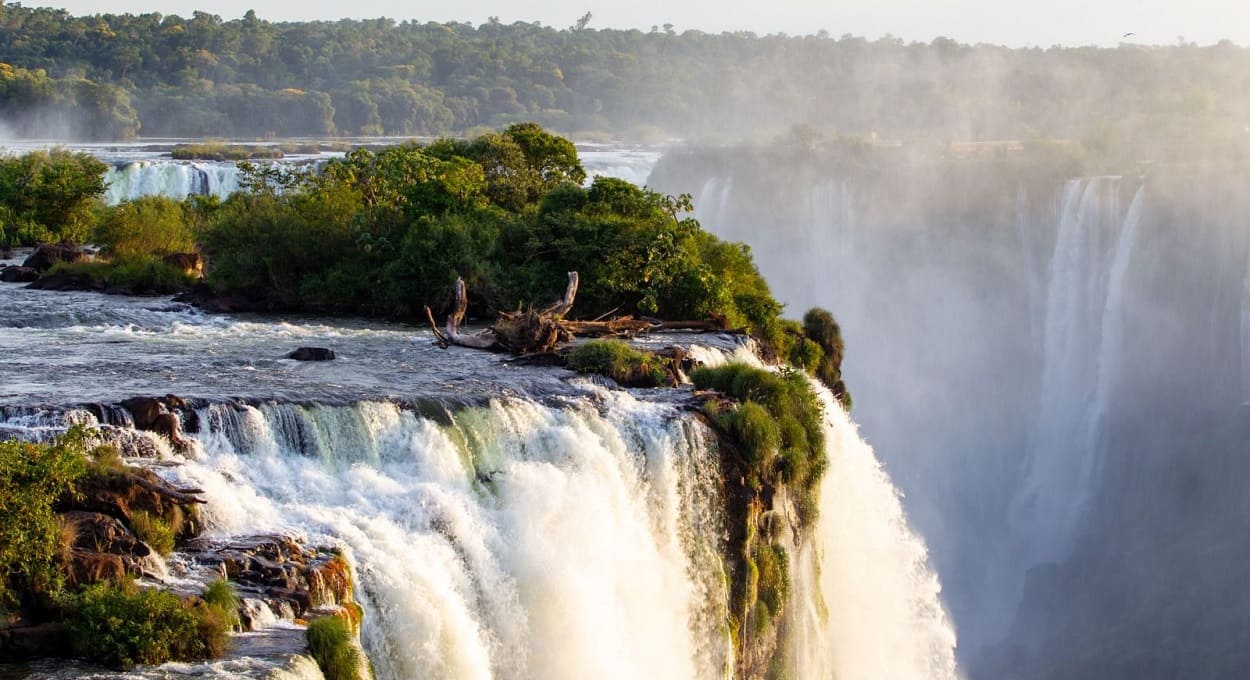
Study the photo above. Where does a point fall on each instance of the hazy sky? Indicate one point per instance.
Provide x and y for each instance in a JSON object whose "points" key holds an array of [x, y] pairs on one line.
{"points": [[1011, 22]]}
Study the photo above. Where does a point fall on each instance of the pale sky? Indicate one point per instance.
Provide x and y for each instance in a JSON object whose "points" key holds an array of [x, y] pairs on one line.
{"points": [[1010, 22]]}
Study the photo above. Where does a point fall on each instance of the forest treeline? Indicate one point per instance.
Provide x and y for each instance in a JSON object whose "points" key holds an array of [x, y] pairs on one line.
{"points": [[118, 75]]}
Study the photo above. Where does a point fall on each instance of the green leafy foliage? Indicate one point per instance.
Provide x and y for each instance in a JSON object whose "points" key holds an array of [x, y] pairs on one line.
{"points": [[32, 478], [821, 329], [387, 231], [151, 225], [778, 427], [331, 643], [121, 626], [617, 360], [47, 196]]}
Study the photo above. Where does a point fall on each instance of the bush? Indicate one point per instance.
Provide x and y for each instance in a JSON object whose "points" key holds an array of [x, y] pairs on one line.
{"points": [[32, 478], [779, 413], [152, 530], [151, 225], [620, 362], [122, 626], [331, 643], [48, 195]]}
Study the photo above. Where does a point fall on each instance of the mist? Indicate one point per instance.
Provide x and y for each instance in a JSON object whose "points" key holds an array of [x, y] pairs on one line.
{"points": [[1047, 349]]}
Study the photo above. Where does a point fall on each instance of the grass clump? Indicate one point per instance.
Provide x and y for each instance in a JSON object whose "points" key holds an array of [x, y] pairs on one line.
{"points": [[153, 530], [217, 151], [331, 644], [617, 360], [122, 626], [221, 597]]}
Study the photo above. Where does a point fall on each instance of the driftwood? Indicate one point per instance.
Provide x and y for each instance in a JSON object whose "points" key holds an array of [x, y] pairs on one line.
{"points": [[536, 332]]}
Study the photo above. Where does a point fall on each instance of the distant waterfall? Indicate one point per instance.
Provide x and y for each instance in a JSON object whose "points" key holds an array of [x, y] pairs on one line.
{"points": [[1245, 336], [1081, 340], [832, 227], [712, 202], [172, 179]]}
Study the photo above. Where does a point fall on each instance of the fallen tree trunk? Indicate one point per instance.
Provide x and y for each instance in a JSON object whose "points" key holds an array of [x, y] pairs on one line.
{"points": [[542, 331]]}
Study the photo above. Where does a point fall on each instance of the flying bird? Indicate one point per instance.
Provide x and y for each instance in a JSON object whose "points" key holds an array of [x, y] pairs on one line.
{"points": [[1129, 35]]}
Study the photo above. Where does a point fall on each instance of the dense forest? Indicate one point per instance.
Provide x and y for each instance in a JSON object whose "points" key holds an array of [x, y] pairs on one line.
{"points": [[119, 75]]}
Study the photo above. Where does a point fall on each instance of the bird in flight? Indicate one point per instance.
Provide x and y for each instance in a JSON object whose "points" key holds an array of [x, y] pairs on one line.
{"points": [[1129, 35]]}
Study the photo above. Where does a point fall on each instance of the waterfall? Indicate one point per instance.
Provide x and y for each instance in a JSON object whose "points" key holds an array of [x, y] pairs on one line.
{"points": [[1245, 336], [1081, 340], [172, 179], [516, 541], [868, 603], [712, 202]]}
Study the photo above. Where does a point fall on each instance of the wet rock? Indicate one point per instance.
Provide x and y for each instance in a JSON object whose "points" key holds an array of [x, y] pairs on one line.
{"points": [[311, 354], [156, 414], [102, 533], [66, 282], [25, 641], [19, 274], [6, 254], [46, 256], [86, 567], [279, 571], [192, 264]]}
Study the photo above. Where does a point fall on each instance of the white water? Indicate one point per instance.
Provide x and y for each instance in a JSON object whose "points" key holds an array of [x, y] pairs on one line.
{"points": [[1081, 341], [172, 179], [868, 605], [521, 542]]}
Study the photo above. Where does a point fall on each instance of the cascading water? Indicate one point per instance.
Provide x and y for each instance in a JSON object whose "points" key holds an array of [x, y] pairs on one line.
{"points": [[867, 603], [172, 179], [1081, 341], [518, 541]]}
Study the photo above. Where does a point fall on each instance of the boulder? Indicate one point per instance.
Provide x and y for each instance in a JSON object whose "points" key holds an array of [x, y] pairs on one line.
{"points": [[311, 354], [156, 414], [97, 532], [122, 493], [6, 254], [47, 255], [190, 263], [19, 274]]}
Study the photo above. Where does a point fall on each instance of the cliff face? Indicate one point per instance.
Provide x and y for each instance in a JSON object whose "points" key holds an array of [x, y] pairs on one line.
{"points": [[1050, 359]]}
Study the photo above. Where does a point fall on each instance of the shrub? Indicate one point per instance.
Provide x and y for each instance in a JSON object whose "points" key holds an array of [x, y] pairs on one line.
{"points": [[773, 563], [152, 530], [49, 194], [137, 274], [620, 362], [779, 413], [32, 478], [122, 625], [151, 225], [331, 643], [221, 597]]}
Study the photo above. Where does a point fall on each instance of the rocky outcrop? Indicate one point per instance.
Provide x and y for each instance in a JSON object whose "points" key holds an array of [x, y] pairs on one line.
{"points": [[46, 256], [19, 274], [160, 415], [311, 354], [278, 570], [122, 493]]}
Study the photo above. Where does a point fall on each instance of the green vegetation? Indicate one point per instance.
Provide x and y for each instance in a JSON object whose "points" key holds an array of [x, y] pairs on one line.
{"points": [[617, 360], [822, 331], [121, 626], [32, 478], [221, 597], [153, 530], [331, 643], [224, 152], [47, 196], [778, 427], [137, 275], [150, 225], [202, 75], [383, 232]]}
